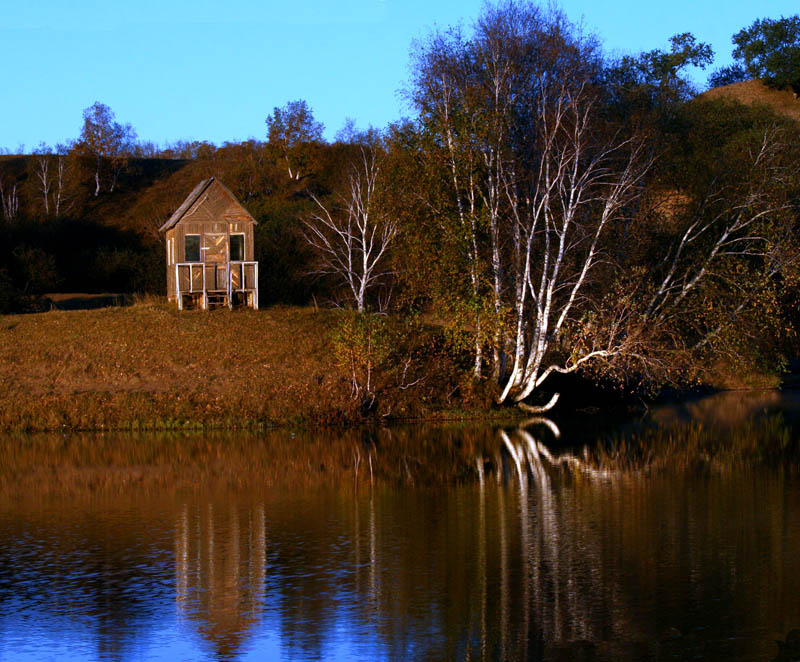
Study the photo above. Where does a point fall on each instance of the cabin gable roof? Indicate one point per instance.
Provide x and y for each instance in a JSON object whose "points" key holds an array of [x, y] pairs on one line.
{"points": [[197, 197]]}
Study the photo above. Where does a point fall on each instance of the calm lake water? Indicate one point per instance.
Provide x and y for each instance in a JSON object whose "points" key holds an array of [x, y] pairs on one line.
{"points": [[676, 536]]}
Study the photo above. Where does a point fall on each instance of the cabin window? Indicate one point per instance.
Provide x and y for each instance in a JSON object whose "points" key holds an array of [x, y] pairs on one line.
{"points": [[237, 247], [192, 247]]}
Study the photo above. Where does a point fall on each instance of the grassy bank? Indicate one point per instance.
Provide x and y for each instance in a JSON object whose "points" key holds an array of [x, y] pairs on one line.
{"points": [[147, 366]]}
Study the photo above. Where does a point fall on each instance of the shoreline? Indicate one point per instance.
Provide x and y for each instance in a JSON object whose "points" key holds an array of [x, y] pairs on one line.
{"points": [[72, 421], [74, 418]]}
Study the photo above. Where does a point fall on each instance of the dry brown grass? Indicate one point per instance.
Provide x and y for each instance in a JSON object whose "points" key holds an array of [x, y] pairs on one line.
{"points": [[148, 365], [754, 92], [723, 377]]}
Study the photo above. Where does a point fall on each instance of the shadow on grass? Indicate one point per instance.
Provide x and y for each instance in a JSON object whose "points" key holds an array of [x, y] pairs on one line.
{"points": [[83, 301]]}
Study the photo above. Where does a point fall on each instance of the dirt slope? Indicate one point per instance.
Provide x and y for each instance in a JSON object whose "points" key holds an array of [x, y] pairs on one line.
{"points": [[754, 92]]}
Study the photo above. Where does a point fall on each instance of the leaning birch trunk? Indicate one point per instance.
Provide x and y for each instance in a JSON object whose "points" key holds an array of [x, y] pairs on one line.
{"points": [[575, 194], [60, 183]]}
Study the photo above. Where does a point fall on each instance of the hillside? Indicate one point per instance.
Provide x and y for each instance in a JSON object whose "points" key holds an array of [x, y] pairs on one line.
{"points": [[110, 242], [754, 92]]}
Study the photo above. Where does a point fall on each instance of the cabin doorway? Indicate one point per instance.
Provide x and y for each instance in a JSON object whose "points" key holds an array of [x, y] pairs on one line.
{"points": [[215, 255]]}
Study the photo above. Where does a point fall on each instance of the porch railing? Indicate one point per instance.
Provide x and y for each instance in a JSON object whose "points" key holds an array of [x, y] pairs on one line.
{"points": [[217, 279]]}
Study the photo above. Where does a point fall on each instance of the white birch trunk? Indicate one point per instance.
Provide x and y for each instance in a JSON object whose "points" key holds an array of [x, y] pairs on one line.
{"points": [[352, 239], [43, 175]]}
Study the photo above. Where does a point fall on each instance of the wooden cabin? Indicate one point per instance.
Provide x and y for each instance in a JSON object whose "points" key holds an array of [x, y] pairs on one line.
{"points": [[210, 260]]}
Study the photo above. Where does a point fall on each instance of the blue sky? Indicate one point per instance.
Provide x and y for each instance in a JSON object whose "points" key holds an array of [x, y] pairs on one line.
{"points": [[212, 70]]}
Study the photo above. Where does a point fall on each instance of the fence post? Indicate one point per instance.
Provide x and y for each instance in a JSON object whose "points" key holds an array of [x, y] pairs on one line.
{"points": [[178, 294]]}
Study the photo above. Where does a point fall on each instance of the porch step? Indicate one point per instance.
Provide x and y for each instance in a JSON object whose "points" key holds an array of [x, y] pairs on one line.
{"points": [[217, 300]]}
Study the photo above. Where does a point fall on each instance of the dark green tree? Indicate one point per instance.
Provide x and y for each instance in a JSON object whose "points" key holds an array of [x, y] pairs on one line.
{"points": [[735, 73], [770, 50], [654, 83], [664, 67]]}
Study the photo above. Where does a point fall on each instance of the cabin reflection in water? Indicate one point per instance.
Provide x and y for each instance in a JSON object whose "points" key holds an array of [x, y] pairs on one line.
{"points": [[220, 568]]}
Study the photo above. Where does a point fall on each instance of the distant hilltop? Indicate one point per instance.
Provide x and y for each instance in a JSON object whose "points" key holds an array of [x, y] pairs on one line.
{"points": [[754, 92]]}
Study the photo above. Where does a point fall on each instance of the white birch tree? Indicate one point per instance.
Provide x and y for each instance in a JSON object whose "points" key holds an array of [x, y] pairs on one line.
{"points": [[51, 175], [292, 128], [540, 184], [44, 174], [9, 199], [62, 199], [580, 187], [536, 180], [352, 236], [734, 249]]}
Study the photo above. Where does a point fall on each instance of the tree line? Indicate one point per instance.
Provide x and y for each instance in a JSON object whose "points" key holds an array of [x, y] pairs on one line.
{"points": [[559, 211]]}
